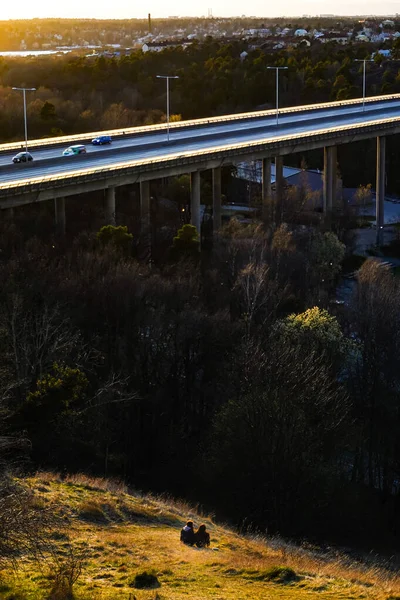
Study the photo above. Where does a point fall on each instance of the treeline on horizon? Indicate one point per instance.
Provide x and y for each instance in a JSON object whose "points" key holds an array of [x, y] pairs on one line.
{"points": [[77, 94], [108, 31]]}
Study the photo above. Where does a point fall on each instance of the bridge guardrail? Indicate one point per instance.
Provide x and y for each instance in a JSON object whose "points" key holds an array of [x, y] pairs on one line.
{"points": [[192, 123], [44, 182], [62, 160]]}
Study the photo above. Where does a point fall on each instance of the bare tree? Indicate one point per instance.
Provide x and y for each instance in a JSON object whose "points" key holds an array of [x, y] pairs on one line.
{"points": [[34, 338]]}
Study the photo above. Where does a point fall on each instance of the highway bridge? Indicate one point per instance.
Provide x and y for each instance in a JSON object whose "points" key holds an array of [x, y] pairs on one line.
{"points": [[142, 154]]}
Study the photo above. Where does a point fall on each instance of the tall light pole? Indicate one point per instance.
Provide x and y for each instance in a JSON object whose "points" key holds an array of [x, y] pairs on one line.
{"points": [[363, 60], [24, 90], [167, 77], [277, 69]]}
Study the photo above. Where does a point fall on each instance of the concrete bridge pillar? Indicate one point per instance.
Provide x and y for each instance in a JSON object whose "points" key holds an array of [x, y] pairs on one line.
{"points": [[195, 199], [380, 186], [145, 222], [266, 185], [328, 182], [216, 187], [110, 205], [279, 186], [145, 206], [59, 210], [334, 175]]}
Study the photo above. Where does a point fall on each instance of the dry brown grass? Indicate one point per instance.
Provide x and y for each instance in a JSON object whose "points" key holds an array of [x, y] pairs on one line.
{"points": [[141, 533]]}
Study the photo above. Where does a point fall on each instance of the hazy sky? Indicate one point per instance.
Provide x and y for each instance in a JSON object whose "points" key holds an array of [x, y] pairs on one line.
{"points": [[118, 9]]}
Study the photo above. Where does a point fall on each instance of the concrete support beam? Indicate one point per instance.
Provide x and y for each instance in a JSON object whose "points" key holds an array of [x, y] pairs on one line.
{"points": [[110, 205], [328, 182], [145, 250], [279, 186], [216, 187], [380, 187], [145, 206], [266, 185], [195, 199], [334, 175], [59, 210]]}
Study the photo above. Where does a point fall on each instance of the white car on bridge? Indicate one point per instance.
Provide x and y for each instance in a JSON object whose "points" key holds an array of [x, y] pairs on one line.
{"points": [[77, 149]]}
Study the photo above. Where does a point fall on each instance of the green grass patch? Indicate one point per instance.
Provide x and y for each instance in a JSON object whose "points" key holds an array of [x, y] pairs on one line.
{"points": [[130, 545]]}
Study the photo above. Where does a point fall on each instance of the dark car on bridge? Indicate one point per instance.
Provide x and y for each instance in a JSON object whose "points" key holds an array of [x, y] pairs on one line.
{"points": [[22, 157], [101, 139]]}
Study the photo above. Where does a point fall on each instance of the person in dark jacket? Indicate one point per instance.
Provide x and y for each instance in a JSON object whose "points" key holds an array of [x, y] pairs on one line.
{"points": [[202, 537], [187, 534]]}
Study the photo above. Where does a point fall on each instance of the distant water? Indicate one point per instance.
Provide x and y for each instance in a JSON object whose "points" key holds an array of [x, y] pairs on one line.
{"points": [[32, 52], [58, 50]]}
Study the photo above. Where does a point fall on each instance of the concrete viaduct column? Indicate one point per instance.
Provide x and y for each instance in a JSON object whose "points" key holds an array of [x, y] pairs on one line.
{"points": [[195, 199], [279, 183], [145, 222], [380, 187], [266, 185], [334, 175], [328, 183], [110, 205], [145, 206], [216, 187], [59, 210]]}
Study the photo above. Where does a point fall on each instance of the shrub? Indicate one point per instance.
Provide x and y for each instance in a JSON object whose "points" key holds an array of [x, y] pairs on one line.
{"points": [[92, 511], [145, 580], [278, 574], [115, 236], [65, 572], [186, 242]]}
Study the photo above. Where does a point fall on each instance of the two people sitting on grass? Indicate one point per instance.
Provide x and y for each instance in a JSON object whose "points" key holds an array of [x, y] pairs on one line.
{"points": [[199, 538]]}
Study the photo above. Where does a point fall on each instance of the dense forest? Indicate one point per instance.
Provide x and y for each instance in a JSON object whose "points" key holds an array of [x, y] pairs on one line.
{"points": [[228, 376], [211, 375]]}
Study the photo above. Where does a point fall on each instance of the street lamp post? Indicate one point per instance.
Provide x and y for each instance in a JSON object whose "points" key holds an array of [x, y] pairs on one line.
{"points": [[167, 77], [277, 69], [363, 60], [24, 90]]}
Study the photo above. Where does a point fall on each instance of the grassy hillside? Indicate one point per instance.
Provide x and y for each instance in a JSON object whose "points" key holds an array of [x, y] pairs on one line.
{"points": [[123, 535]]}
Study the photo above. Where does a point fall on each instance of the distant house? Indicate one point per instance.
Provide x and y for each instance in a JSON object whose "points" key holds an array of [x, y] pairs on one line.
{"points": [[248, 179], [162, 45], [301, 33], [333, 36], [384, 53], [299, 41]]}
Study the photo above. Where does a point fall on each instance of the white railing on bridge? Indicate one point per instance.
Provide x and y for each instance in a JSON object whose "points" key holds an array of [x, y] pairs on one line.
{"points": [[15, 186], [128, 131]]}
